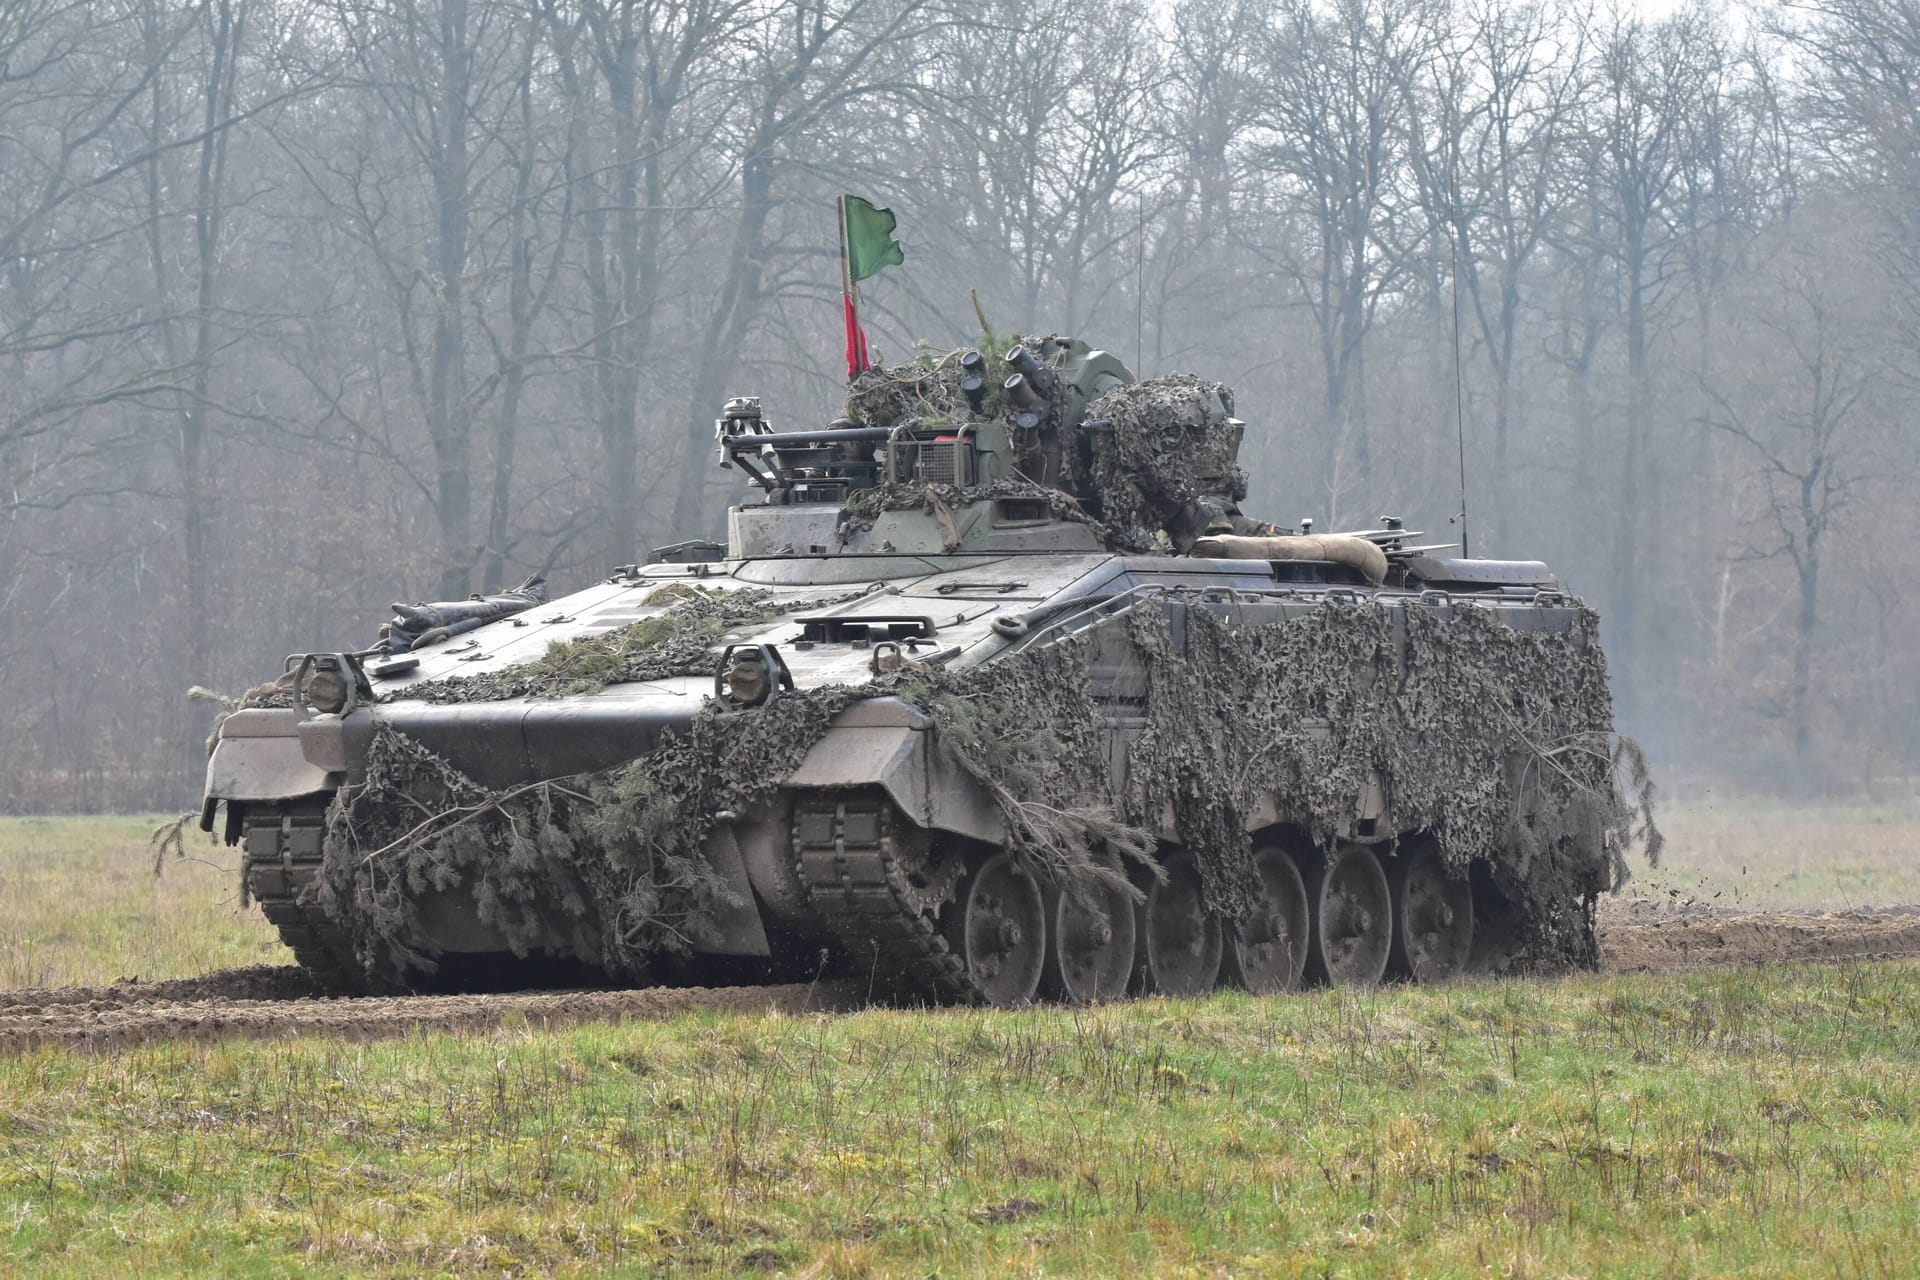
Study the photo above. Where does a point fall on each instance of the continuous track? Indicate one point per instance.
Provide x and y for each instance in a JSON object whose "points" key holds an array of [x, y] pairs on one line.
{"points": [[282, 856], [280, 1002], [845, 853]]}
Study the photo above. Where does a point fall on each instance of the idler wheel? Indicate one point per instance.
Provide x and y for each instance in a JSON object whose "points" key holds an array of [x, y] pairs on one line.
{"points": [[998, 928], [1352, 918], [1267, 951], [1180, 940], [1432, 916], [1089, 945]]}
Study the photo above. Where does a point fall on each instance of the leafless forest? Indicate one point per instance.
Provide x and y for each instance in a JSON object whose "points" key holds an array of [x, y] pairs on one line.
{"points": [[311, 305]]}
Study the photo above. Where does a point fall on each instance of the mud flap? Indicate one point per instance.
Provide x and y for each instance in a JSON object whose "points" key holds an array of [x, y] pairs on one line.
{"points": [[738, 926]]}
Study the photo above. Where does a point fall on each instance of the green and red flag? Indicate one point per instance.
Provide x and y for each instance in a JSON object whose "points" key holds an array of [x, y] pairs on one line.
{"points": [[870, 242], [866, 245]]}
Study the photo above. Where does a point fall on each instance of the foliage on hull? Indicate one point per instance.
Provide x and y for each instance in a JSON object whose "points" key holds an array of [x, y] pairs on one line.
{"points": [[1495, 740]]}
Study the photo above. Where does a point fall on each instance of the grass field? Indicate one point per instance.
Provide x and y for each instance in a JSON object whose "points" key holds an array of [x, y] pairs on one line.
{"points": [[1765, 854], [1742, 1122], [80, 905], [1736, 1123]]}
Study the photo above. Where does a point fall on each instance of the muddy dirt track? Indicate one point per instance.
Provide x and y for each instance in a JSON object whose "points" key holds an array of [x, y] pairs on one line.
{"points": [[266, 1002]]}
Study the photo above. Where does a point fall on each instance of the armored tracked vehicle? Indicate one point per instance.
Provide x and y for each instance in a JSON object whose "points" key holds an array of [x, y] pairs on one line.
{"points": [[992, 694]]}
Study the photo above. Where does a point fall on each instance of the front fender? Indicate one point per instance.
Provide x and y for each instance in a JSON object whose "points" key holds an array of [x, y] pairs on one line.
{"points": [[888, 743], [259, 756]]}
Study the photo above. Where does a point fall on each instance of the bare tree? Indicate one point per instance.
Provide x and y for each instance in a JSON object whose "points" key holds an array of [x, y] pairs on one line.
{"points": [[1331, 138], [1650, 79], [648, 67], [72, 77], [804, 65], [1798, 398], [1491, 173], [440, 73], [188, 324], [536, 232]]}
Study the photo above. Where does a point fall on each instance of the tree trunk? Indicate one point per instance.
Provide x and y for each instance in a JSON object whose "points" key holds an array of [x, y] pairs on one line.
{"points": [[1801, 710], [448, 414], [1633, 511], [225, 28], [724, 341], [513, 376]]}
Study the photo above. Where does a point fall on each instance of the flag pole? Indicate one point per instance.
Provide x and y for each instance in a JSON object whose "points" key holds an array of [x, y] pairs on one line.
{"points": [[846, 271], [850, 307]]}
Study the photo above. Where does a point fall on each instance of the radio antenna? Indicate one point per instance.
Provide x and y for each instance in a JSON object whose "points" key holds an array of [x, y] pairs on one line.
{"points": [[1459, 383], [1140, 293]]}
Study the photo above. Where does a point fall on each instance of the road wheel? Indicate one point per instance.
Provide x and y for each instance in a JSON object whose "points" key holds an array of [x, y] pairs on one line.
{"points": [[1090, 945], [1267, 951], [998, 928], [1351, 932], [1179, 939], [1432, 916]]}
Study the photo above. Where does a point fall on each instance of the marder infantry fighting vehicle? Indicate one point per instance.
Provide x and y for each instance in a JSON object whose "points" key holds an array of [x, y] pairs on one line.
{"points": [[992, 694]]}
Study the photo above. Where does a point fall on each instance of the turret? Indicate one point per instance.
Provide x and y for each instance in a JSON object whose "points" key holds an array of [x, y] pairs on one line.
{"points": [[963, 425]]}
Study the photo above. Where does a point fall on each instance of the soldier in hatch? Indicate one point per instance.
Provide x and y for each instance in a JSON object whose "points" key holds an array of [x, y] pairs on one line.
{"points": [[1217, 484], [1217, 512]]}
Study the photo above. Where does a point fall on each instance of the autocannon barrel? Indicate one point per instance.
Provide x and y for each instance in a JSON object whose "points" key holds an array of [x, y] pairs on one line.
{"points": [[803, 439]]}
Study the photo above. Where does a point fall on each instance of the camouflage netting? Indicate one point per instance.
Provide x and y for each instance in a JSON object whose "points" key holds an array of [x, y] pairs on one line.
{"points": [[1030, 731], [608, 861], [1496, 741], [1168, 446], [929, 388], [676, 642]]}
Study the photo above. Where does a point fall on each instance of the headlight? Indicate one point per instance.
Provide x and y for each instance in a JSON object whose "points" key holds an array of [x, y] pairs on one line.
{"points": [[747, 679], [327, 692], [326, 682]]}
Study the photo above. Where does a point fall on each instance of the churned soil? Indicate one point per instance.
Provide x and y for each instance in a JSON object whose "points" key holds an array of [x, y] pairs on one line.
{"points": [[256, 982], [126, 1014], [1640, 937], [265, 1002]]}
